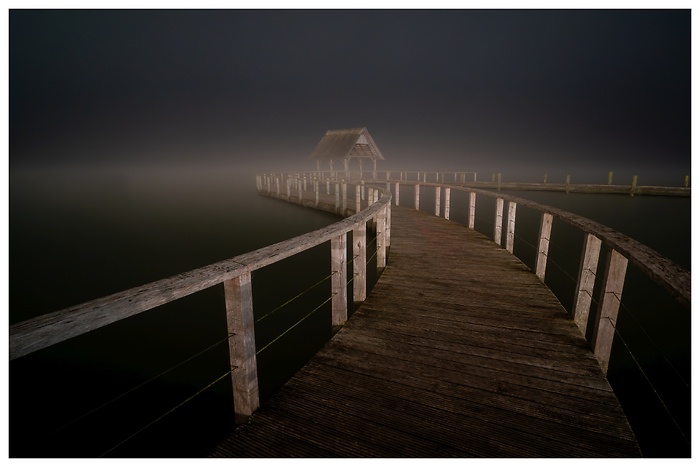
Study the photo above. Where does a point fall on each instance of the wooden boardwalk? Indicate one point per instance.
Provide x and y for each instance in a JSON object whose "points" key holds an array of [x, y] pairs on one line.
{"points": [[459, 350]]}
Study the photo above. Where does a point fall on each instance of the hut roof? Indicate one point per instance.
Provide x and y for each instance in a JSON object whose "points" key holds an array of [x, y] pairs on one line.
{"points": [[343, 144]]}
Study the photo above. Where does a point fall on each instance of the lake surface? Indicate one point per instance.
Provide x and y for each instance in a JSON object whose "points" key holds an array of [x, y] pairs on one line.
{"points": [[80, 234]]}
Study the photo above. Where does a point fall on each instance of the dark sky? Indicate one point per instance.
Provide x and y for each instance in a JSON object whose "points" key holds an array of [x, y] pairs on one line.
{"points": [[437, 89]]}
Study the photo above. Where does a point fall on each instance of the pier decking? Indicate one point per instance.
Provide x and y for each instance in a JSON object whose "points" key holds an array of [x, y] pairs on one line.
{"points": [[459, 350]]}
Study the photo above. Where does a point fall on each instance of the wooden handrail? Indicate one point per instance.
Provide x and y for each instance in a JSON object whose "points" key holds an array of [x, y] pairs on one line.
{"points": [[49, 329]]}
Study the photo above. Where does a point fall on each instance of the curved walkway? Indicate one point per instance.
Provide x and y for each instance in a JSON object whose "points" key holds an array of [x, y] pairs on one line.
{"points": [[459, 350]]}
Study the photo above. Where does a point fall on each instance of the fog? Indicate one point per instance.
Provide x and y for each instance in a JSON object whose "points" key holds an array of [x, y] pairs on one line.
{"points": [[523, 93]]}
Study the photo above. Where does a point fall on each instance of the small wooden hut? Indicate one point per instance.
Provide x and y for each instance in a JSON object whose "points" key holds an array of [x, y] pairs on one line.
{"points": [[344, 145]]}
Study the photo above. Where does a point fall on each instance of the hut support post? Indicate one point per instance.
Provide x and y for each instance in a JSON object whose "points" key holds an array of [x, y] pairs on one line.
{"points": [[345, 197], [510, 229], [339, 300], [416, 188], [586, 282], [396, 192], [609, 305], [543, 245], [498, 221], [238, 296]]}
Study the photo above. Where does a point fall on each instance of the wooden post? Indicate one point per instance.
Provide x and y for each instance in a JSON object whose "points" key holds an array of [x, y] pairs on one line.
{"points": [[277, 183], [416, 188], [543, 245], [608, 307], [447, 202], [510, 228], [339, 279], [328, 186], [381, 238], [586, 282], [238, 296], [437, 200], [498, 187], [634, 185], [568, 180], [316, 192], [359, 263], [686, 181], [387, 233], [545, 179], [472, 208], [357, 199], [425, 177], [301, 193], [498, 223], [610, 178], [337, 198], [396, 193], [362, 189], [344, 194]]}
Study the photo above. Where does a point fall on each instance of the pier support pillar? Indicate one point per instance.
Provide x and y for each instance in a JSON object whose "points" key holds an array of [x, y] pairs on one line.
{"points": [[609, 305], [586, 282], [359, 263], [339, 280], [498, 221], [238, 295], [543, 245], [472, 208], [447, 201], [381, 238], [437, 201], [510, 226]]}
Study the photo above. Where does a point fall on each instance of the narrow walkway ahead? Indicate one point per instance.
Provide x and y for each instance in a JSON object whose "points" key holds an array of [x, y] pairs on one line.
{"points": [[459, 350]]}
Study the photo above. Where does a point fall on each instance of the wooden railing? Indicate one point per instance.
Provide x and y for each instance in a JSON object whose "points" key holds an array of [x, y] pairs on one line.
{"points": [[621, 248], [235, 275]]}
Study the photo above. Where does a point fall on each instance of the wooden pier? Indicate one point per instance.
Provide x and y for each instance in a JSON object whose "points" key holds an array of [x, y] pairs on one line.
{"points": [[459, 350]]}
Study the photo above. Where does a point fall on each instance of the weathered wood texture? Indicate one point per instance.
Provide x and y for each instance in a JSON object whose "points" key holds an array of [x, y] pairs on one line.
{"points": [[459, 350]]}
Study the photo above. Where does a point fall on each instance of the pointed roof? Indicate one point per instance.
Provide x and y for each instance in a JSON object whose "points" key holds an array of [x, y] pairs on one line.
{"points": [[344, 144]]}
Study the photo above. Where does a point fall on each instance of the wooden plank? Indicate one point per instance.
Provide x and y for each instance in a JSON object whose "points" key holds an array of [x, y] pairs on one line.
{"points": [[459, 350]]}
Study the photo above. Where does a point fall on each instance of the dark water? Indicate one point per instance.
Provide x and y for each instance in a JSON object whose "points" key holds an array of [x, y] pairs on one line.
{"points": [[77, 235]]}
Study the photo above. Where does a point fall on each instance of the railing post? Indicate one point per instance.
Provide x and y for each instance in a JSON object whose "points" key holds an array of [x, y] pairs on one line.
{"points": [[316, 192], [396, 192], [357, 198], [381, 238], [339, 279], [416, 188], [447, 202], [498, 222], [359, 263], [277, 182], [611, 294], [472, 208], [510, 228], [238, 296], [437, 201], [387, 231], [543, 245], [586, 282]]}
